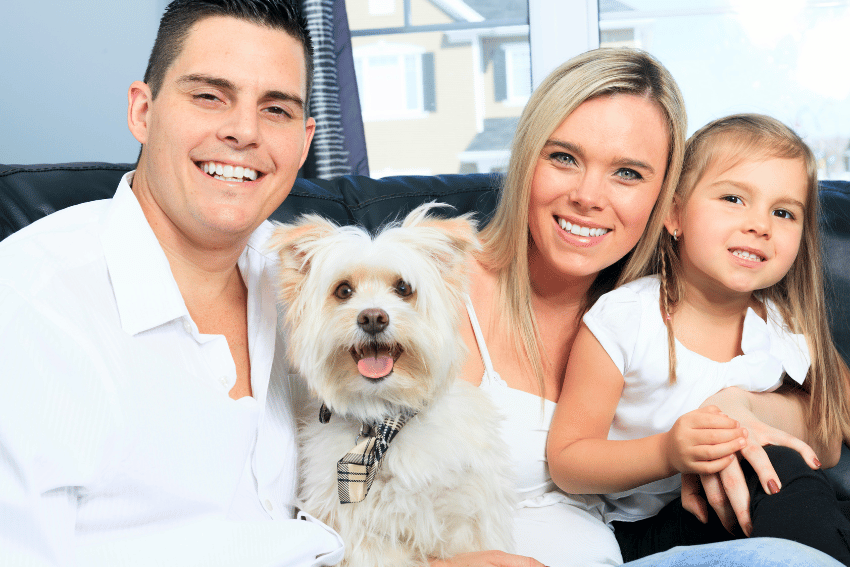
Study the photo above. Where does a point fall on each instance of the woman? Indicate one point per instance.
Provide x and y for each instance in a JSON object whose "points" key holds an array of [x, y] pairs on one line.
{"points": [[596, 156]]}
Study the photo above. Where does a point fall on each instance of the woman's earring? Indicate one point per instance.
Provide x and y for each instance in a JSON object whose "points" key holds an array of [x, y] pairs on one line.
{"points": [[676, 234]]}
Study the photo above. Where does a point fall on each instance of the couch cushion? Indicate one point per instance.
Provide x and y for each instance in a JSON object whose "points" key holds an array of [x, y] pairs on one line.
{"points": [[30, 192]]}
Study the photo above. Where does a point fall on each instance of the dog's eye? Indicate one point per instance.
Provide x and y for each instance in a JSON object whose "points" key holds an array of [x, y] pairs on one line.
{"points": [[343, 291], [403, 288]]}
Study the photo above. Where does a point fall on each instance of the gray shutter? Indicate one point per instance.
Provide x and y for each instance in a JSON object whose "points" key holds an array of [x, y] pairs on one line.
{"points": [[500, 75], [429, 83]]}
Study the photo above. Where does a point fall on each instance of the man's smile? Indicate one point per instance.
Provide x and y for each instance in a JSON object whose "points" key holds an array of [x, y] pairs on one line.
{"points": [[227, 172]]}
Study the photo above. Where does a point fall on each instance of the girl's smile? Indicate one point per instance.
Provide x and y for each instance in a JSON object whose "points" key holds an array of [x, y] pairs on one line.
{"points": [[741, 227]]}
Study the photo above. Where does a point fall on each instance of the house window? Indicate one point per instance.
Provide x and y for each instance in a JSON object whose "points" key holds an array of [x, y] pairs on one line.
{"points": [[780, 58], [381, 7], [391, 80], [517, 72], [426, 82]]}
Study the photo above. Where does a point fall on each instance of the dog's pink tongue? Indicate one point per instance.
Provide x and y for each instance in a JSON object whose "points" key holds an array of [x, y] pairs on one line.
{"points": [[375, 367]]}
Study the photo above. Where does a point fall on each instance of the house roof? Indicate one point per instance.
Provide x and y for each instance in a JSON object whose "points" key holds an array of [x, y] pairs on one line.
{"points": [[511, 9], [613, 6], [500, 9], [497, 135]]}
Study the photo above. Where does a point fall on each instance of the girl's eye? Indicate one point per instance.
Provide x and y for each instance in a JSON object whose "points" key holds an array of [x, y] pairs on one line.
{"points": [[343, 291], [732, 199], [628, 174], [784, 214], [403, 288], [562, 158]]}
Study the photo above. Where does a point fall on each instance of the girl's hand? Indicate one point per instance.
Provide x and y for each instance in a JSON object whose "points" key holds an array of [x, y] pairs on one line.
{"points": [[487, 559], [703, 441], [727, 491]]}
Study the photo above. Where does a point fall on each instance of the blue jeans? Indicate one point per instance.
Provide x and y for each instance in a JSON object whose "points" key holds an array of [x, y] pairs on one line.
{"points": [[752, 552]]}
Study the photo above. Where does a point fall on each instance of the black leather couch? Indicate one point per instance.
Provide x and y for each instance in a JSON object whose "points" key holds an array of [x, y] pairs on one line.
{"points": [[30, 192]]}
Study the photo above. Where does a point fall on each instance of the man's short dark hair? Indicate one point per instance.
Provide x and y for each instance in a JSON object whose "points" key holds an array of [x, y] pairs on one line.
{"points": [[181, 15]]}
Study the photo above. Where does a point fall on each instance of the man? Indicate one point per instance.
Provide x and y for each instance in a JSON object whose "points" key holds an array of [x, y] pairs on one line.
{"points": [[146, 415]]}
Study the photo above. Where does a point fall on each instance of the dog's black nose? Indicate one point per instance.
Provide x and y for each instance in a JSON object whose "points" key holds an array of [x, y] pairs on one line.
{"points": [[373, 321]]}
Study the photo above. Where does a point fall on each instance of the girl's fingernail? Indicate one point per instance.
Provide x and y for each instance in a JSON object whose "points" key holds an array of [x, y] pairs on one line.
{"points": [[774, 488], [817, 462], [748, 529]]}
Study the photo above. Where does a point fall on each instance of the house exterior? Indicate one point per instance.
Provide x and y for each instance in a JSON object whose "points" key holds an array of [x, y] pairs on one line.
{"points": [[432, 78], [442, 82]]}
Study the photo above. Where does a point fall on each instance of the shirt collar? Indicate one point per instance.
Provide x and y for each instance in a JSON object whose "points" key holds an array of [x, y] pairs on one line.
{"points": [[145, 290], [775, 339]]}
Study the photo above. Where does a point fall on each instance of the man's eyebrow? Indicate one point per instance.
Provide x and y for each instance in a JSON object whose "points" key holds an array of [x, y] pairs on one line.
{"points": [[223, 84], [229, 86], [279, 95]]}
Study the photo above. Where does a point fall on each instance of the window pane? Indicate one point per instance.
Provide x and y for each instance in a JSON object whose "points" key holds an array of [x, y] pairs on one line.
{"points": [[784, 58], [451, 104]]}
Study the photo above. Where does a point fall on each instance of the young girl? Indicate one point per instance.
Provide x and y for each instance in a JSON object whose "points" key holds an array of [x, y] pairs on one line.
{"points": [[738, 302]]}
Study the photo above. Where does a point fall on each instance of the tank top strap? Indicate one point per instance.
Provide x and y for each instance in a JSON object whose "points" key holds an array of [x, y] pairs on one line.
{"points": [[490, 375]]}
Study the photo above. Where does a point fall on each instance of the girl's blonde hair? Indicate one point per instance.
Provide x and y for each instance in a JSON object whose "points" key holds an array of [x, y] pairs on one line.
{"points": [[597, 73], [799, 296]]}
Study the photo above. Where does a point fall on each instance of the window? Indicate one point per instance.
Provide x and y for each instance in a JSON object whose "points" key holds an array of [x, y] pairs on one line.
{"points": [[391, 79], [441, 82], [517, 72], [783, 58], [381, 7]]}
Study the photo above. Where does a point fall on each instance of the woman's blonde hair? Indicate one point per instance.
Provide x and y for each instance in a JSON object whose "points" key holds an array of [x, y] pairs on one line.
{"points": [[799, 296], [597, 73]]}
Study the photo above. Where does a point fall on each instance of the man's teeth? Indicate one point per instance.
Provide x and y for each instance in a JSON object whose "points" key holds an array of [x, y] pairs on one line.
{"points": [[747, 256], [228, 172], [579, 230]]}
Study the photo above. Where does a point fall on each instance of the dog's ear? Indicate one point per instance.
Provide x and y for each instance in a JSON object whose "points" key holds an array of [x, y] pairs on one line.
{"points": [[453, 259], [295, 244], [461, 231]]}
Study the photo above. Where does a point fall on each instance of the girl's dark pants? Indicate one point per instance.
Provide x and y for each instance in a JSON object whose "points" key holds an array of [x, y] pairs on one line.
{"points": [[805, 510]]}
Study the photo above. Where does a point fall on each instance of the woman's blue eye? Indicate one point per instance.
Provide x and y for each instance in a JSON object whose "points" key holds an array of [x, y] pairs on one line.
{"points": [[629, 174], [563, 158]]}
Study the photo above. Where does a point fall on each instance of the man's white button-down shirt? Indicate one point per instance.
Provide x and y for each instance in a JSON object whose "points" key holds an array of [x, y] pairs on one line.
{"points": [[119, 443]]}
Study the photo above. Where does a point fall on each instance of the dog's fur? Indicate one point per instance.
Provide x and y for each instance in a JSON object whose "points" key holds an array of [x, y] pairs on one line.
{"points": [[444, 486]]}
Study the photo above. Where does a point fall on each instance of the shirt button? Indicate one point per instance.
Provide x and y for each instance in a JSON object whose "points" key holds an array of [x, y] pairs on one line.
{"points": [[268, 505], [187, 326], [223, 380]]}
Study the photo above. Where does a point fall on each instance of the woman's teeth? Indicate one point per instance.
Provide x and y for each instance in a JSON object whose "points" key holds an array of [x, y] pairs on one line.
{"points": [[228, 172], [579, 230], [747, 256]]}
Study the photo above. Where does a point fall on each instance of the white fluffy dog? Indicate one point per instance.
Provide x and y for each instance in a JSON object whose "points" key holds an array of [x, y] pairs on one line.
{"points": [[374, 332]]}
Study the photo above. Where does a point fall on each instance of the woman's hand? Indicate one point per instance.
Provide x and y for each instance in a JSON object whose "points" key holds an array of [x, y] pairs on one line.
{"points": [[487, 559], [727, 491], [703, 441]]}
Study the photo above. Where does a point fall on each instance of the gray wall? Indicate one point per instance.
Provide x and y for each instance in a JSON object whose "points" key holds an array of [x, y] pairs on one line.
{"points": [[66, 66]]}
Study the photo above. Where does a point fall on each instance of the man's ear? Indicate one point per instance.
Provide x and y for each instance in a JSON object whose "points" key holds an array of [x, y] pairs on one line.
{"points": [[672, 221], [309, 130], [139, 98]]}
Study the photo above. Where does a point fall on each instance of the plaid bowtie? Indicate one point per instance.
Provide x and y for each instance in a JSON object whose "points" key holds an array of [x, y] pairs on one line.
{"points": [[356, 470]]}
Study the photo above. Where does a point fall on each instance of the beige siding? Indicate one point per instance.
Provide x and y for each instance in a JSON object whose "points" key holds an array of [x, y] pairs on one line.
{"points": [[435, 140]]}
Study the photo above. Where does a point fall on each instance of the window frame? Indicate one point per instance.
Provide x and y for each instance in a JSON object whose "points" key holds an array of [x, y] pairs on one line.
{"points": [[401, 51]]}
